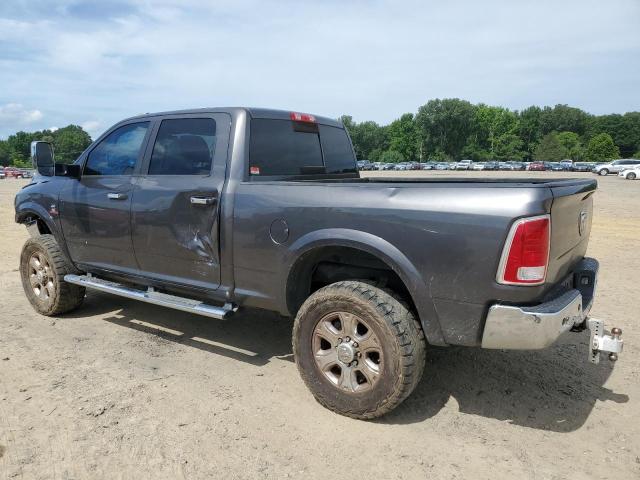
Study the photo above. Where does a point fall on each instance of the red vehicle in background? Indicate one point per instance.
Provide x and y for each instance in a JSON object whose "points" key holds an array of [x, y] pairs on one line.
{"points": [[13, 172], [537, 166]]}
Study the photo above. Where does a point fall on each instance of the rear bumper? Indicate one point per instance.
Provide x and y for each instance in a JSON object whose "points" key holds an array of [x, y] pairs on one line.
{"points": [[537, 327]]}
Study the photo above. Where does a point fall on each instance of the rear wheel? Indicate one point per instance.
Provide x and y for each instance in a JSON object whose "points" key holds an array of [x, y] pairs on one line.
{"points": [[358, 348], [631, 176], [42, 268], [603, 172]]}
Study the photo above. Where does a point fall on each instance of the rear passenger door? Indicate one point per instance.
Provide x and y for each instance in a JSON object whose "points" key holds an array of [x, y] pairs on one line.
{"points": [[176, 202]]}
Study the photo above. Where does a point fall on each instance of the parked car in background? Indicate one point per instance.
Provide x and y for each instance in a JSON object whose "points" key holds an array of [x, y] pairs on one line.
{"points": [[517, 166], [631, 173], [478, 166], [557, 167], [537, 167], [442, 166], [616, 166], [582, 167], [567, 164], [2, 174], [492, 166], [464, 165], [13, 172], [505, 166], [364, 165]]}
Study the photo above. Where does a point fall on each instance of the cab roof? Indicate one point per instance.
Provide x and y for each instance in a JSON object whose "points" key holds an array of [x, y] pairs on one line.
{"points": [[252, 111]]}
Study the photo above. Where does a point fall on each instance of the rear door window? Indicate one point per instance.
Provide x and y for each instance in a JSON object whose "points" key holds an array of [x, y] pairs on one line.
{"points": [[184, 146]]}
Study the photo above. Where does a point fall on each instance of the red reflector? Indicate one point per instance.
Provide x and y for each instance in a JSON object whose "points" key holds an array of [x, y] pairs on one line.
{"points": [[526, 253], [302, 117]]}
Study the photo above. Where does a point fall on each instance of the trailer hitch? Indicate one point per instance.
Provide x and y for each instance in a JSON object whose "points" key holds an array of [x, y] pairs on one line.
{"points": [[603, 341]]}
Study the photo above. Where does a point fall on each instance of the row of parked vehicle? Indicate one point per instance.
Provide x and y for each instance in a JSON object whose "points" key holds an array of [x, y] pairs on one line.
{"points": [[13, 172], [616, 166]]}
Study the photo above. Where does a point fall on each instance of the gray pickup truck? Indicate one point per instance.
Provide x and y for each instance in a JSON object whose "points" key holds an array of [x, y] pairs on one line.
{"points": [[212, 210]]}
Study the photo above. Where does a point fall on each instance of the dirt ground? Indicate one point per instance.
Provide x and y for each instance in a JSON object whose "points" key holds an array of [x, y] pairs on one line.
{"points": [[120, 389]]}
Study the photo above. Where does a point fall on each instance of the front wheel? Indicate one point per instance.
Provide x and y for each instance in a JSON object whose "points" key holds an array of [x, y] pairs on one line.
{"points": [[631, 176], [42, 268], [603, 172], [358, 348]]}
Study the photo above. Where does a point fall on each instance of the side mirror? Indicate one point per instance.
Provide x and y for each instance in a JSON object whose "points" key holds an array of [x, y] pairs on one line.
{"points": [[42, 157]]}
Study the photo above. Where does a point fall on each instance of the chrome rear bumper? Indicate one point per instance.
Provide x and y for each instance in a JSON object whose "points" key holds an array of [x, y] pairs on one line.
{"points": [[532, 328], [538, 327]]}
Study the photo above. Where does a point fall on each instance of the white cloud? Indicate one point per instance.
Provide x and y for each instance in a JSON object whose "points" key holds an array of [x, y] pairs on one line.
{"points": [[371, 59], [93, 127], [16, 115]]}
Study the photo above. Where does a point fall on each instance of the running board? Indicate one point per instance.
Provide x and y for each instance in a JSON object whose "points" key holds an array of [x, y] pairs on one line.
{"points": [[151, 296]]}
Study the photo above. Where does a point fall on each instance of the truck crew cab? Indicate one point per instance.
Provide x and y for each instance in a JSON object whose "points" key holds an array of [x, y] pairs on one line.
{"points": [[212, 210]]}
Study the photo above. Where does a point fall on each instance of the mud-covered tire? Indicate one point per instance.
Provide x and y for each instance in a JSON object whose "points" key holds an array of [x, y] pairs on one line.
{"points": [[399, 340], [42, 269]]}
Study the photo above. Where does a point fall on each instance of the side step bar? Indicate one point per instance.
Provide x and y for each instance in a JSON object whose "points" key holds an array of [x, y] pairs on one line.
{"points": [[151, 296]]}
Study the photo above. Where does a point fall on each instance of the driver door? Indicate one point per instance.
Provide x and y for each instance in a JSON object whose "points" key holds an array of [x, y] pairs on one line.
{"points": [[95, 211]]}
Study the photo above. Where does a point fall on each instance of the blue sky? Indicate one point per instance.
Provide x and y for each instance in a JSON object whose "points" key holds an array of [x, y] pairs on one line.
{"points": [[94, 63]]}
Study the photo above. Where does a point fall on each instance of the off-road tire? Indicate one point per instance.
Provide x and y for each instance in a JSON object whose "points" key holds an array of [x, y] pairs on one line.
{"points": [[64, 296], [401, 340], [603, 172]]}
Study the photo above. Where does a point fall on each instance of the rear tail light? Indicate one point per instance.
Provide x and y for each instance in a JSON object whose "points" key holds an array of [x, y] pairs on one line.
{"points": [[302, 117], [525, 256]]}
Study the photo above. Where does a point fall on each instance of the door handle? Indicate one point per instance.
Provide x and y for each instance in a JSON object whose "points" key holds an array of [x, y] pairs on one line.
{"points": [[203, 200], [116, 196]]}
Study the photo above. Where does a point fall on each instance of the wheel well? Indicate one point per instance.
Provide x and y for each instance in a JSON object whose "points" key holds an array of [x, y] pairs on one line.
{"points": [[36, 222], [327, 265]]}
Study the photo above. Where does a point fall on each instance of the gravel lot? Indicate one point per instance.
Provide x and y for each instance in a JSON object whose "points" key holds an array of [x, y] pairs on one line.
{"points": [[120, 389]]}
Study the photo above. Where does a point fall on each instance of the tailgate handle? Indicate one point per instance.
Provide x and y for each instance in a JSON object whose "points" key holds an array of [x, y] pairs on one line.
{"points": [[195, 200], [116, 196]]}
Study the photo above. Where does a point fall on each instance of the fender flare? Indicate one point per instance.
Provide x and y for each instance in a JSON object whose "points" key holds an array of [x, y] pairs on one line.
{"points": [[27, 209], [380, 248]]}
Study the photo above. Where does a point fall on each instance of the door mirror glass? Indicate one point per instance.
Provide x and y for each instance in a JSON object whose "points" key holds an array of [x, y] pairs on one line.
{"points": [[42, 157]]}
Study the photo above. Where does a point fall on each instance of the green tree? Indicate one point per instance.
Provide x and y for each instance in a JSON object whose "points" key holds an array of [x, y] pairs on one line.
{"points": [[563, 118], [5, 153], [601, 147], [549, 149], [369, 139], [572, 145], [20, 146], [391, 156], [445, 125], [403, 136], [508, 146], [624, 130], [491, 123], [529, 121], [69, 142]]}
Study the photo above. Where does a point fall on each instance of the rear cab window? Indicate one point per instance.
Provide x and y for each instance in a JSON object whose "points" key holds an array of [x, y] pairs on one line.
{"points": [[281, 149]]}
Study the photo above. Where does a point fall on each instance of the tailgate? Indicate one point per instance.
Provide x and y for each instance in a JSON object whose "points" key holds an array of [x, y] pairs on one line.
{"points": [[571, 217]]}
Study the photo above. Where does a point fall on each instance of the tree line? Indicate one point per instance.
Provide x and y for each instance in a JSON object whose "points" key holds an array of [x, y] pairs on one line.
{"points": [[68, 143], [452, 129], [442, 130]]}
